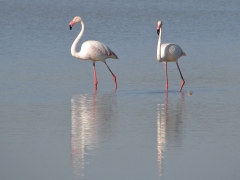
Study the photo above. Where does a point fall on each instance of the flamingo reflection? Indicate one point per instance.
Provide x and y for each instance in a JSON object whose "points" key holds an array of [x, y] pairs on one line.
{"points": [[168, 119], [91, 114]]}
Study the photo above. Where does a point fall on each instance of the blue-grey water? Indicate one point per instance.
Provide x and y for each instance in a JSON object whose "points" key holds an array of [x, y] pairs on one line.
{"points": [[54, 126]]}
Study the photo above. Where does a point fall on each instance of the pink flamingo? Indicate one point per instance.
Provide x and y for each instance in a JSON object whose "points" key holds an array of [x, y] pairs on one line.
{"points": [[168, 52], [92, 50]]}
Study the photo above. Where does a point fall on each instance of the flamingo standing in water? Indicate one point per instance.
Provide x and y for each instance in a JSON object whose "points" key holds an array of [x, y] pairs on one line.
{"points": [[168, 52], [92, 50]]}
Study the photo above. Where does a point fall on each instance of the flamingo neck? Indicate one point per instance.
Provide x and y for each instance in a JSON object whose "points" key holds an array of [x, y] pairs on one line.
{"points": [[75, 42], [159, 45]]}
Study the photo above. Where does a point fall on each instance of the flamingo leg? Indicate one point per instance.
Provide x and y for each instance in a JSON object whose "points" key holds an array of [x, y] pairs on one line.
{"points": [[114, 77], [183, 82], [166, 75], [95, 76]]}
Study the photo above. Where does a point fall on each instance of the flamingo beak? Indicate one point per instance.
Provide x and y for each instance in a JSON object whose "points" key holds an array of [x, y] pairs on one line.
{"points": [[71, 24], [159, 25], [158, 28]]}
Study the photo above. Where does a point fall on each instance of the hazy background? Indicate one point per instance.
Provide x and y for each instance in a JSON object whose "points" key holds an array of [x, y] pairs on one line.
{"points": [[53, 126]]}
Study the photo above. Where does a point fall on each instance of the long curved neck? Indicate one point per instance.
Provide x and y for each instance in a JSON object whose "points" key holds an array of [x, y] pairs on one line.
{"points": [[75, 42], [159, 45]]}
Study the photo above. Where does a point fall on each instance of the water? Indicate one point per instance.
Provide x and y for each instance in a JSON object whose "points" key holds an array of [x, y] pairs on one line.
{"points": [[54, 126]]}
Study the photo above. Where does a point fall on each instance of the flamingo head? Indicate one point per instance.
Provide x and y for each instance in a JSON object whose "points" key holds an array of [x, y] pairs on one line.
{"points": [[159, 25], [75, 20]]}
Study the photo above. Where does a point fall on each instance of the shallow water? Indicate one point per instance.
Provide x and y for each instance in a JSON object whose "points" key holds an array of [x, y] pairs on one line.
{"points": [[54, 126]]}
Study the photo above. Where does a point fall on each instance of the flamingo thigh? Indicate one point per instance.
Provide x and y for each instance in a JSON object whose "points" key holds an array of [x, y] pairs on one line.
{"points": [[95, 75], [166, 75]]}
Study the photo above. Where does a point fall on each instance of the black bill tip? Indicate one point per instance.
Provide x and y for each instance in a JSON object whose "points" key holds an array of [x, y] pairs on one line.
{"points": [[158, 31], [70, 27]]}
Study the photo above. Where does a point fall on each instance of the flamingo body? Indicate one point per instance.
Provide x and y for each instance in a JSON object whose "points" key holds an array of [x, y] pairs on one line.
{"points": [[168, 52], [92, 50], [95, 51]]}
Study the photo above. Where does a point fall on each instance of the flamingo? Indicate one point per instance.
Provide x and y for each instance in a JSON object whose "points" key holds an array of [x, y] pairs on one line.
{"points": [[92, 50], [168, 52]]}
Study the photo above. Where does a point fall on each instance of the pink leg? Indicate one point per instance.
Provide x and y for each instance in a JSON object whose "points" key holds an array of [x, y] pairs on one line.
{"points": [[166, 75], [114, 77], [95, 76], [166, 103], [183, 82]]}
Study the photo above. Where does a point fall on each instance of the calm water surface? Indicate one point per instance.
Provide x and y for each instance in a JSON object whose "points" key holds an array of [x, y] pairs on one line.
{"points": [[54, 126]]}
